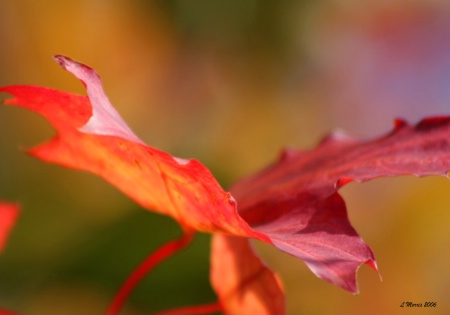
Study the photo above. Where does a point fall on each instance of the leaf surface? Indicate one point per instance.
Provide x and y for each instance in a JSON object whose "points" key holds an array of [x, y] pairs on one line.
{"points": [[293, 204], [242, 282], [295, 201], [93, 137]]}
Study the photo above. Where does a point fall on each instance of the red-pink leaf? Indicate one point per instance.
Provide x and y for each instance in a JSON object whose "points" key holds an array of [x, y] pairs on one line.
{"points": [[295, 200], [292, 204]]}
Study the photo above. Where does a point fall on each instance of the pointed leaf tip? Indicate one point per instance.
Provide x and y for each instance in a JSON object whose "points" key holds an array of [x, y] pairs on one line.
{"points": [[373, 264], [399, 123], [105, 120], [63, 60], [343, 181]]}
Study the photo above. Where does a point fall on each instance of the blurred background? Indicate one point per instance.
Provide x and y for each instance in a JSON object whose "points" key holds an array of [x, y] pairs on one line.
{"points": [[230, 83]]}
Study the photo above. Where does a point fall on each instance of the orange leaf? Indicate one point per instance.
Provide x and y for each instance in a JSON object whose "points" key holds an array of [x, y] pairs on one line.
{"points": [[93, 137], [293, 204], [241, 280]]}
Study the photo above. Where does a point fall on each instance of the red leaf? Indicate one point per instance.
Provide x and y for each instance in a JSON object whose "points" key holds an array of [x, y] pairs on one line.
{"points": [[8, 216], [295, 200], [293, 204], [242, 282], [92, 137]]}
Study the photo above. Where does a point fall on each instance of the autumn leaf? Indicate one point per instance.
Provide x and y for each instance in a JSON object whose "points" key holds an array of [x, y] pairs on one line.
{"points": [[92, 137], [242, 282], [293, 204]]}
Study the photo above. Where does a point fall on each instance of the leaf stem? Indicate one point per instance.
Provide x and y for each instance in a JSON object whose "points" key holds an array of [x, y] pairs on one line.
{"points": [[145, 267], [194, 310]]}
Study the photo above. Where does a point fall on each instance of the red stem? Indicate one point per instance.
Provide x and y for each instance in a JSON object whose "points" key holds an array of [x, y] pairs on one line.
{"points": [[145, 267], [194, 310]]}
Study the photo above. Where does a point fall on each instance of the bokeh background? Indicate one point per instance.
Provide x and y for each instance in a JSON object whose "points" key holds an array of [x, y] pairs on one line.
{"points": [[230, 83]]}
